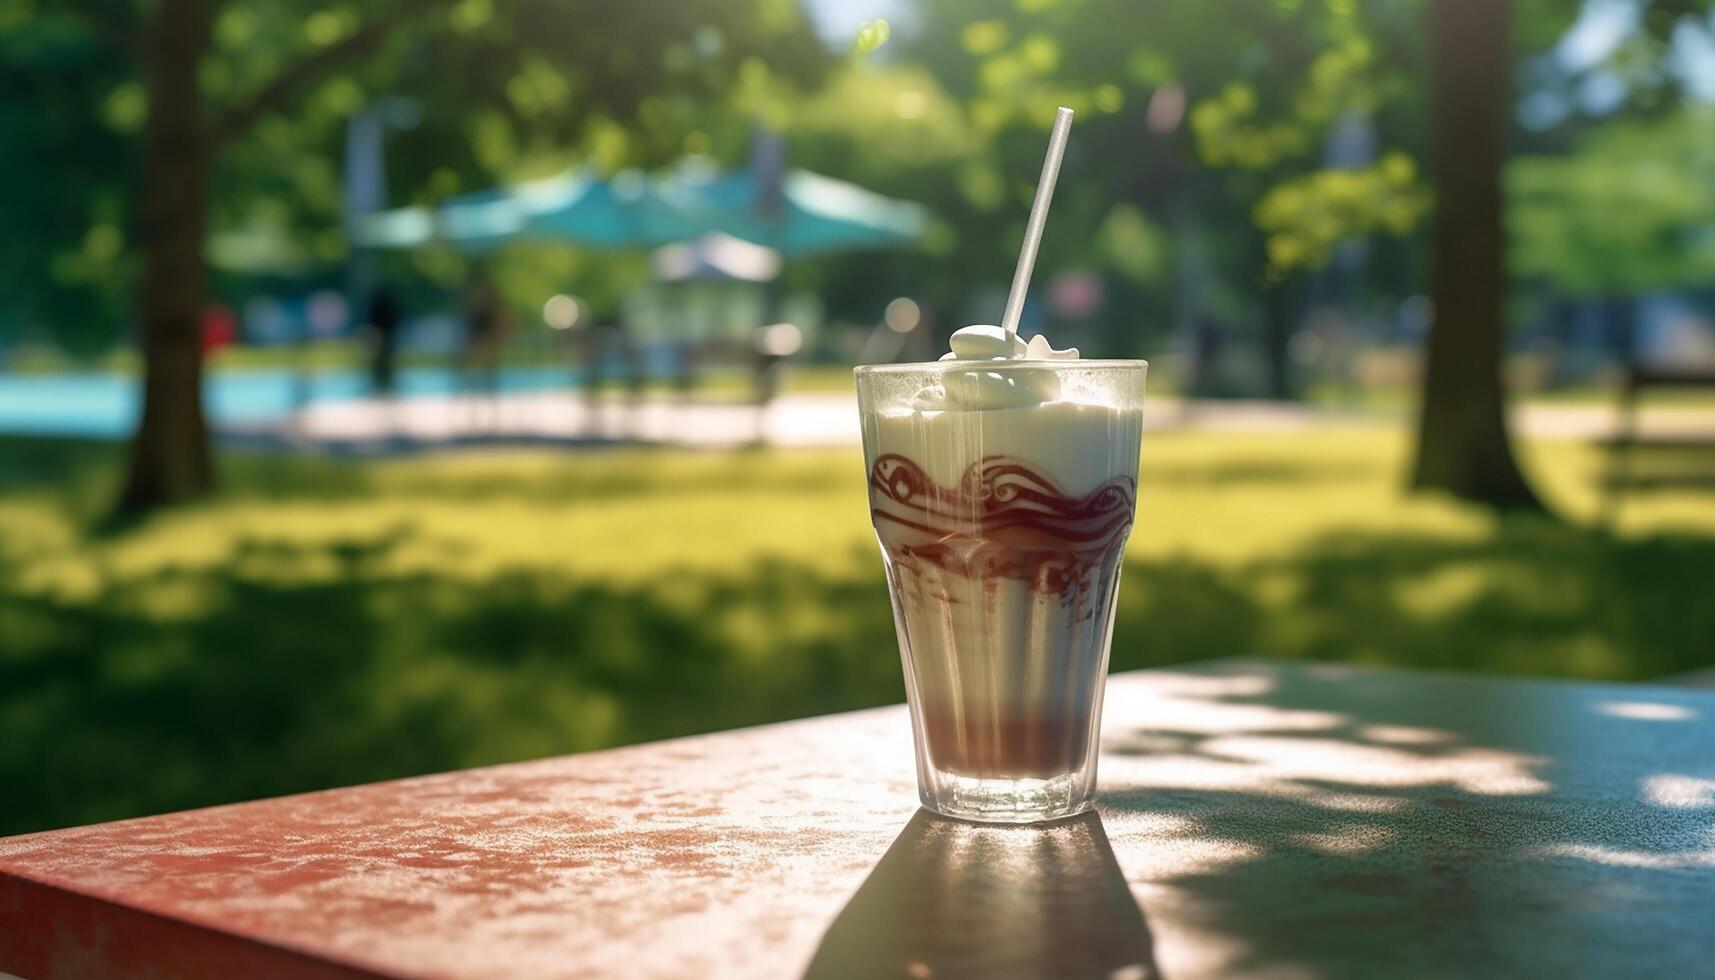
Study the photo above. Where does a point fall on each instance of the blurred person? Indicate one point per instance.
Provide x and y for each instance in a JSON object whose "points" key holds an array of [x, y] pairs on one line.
{"points": [[1207, 344], [607, 350], [773, 345], [219, 328], [485, 330], [384, 322], [768, 369], [685, 355]]}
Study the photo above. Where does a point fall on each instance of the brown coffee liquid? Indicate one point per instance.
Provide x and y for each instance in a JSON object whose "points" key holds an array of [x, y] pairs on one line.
{"points": [[1003, 591]]}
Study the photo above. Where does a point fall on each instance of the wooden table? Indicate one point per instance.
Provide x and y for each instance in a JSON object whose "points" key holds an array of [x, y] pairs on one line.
{"points": [[1256, 820]]}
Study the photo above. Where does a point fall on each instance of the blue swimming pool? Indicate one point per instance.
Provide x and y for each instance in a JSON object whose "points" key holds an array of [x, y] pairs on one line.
{"points": [[101, 405]]}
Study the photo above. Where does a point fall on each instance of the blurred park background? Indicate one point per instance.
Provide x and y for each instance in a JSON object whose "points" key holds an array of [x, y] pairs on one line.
{"points": [[388, 386]]}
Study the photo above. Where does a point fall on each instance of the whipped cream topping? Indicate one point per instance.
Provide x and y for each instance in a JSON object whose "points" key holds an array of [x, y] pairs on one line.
{"points": [[984, 342], [986, 388]]}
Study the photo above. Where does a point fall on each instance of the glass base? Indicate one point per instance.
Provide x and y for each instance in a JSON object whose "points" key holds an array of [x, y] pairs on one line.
{"points": [[1002, 800]]}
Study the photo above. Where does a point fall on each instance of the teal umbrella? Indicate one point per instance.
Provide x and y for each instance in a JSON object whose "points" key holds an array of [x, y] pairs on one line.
{"points": [[811, 213], [629, 211]]}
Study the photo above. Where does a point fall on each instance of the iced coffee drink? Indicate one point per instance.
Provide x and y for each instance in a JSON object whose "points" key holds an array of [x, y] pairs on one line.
{"points": [[1002, 485]]}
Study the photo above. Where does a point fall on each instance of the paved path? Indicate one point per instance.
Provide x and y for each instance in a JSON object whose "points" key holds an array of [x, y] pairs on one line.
{"points": [[804, 420]]}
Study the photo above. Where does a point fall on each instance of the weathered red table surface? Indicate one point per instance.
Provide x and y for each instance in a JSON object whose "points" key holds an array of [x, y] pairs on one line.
{"points": [[1256, 820]]}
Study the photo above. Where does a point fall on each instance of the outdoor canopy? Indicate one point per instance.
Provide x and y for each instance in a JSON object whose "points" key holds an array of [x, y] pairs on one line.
{"points": [[811, 214], [715, 256], [629, 211]]}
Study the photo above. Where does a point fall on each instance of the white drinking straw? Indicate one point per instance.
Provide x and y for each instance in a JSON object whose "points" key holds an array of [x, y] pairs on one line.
{"points": [[1038, 217]]}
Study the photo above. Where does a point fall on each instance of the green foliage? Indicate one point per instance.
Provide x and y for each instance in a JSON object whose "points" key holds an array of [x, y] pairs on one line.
{"points": [[1305, 217], [1134, 246], [1631, 210], [1190, 115], [871, 35], [481, 91], [1229, 135], [1341, 78], [890, 119], [1214, 114], [329, 622], [67, 124], [1305, 208]]}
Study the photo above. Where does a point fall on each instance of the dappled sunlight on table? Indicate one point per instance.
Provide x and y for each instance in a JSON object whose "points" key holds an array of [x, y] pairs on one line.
{"points": [[1259, 812]]}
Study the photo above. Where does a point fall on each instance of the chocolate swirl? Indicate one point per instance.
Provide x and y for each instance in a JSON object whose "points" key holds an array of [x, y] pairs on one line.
{"points": [[1002, 519]]}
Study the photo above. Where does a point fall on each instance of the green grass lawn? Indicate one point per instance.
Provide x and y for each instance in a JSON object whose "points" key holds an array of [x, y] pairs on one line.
{"points": [[329, 622]]}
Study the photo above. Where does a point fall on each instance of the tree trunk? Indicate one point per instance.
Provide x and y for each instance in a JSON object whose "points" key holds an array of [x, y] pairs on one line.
{"points": [[170, 457], [1463, 446]]}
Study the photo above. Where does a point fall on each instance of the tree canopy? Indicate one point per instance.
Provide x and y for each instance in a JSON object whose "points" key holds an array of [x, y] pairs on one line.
{"points": [[1632, 209], [481, 91]]}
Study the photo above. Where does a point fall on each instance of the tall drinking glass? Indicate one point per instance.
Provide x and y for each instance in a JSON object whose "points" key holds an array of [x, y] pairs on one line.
{"points": [[1002, 493]]}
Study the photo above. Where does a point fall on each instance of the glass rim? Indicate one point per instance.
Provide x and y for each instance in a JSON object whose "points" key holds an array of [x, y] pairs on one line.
{"points": [[1001, 364]]}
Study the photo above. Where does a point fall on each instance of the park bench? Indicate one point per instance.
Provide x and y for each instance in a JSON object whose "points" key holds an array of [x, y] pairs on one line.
{"points": [[1636, 380]]}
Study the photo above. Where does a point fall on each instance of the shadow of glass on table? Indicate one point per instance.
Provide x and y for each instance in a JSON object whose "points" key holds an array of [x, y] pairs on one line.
{"points": [[954, 899]]}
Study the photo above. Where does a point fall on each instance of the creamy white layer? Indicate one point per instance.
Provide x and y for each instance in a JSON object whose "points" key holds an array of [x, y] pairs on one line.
{"points": [[1077, 446]]}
